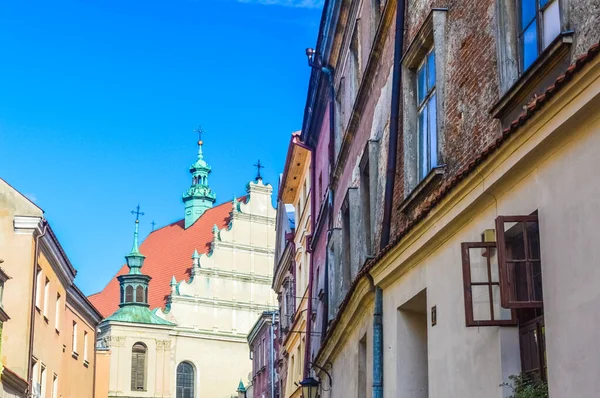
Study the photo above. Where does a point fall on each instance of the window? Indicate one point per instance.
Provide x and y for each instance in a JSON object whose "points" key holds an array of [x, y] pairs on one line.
{"points": [[74, 338], [365, 200], [185, 380], [58, 311], [346, 268], [539, 25], [503, 286], [85, 345], [38, 289], [43, 381], [362, 368], [35, 376], [482, 286], [129, 294], [426, 116], [46, 297], [55, 386], [139, 294], [520, 263], [138, 367]]}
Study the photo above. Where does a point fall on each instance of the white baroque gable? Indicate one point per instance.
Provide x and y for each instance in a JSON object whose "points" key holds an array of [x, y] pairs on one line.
{"points": [[231, 285]]}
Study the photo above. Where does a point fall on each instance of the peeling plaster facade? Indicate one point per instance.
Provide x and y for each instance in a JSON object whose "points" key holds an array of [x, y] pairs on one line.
{"points": [[428, 348]]}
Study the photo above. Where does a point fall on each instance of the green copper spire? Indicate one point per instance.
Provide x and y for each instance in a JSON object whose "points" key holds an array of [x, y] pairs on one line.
{"points": [[133, 306], [135, 259], [198, 198], [241, 387]]}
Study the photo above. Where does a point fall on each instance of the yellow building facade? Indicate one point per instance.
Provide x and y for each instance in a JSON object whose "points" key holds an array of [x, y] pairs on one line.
{"points": [[48, 342], [292, 264]]}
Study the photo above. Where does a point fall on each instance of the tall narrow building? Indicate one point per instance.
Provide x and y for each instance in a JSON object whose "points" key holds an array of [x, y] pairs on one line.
{"points": [[178, 313]]}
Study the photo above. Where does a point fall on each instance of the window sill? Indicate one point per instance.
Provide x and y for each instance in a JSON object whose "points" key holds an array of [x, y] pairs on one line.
{"points": [[75, 355], [527, 82], [3, 315], [425, 186]]}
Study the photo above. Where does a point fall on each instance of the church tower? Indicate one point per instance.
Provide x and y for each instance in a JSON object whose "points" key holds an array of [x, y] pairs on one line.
{"points": [[198, 197], [133, 304]]}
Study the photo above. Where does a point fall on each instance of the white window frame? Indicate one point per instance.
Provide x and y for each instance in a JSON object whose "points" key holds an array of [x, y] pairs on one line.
{"points": [[46, 297], [74, 338], [38, 289], [58, 313]]}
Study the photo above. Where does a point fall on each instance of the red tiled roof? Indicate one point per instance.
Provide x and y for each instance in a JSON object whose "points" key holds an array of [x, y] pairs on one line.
{"points": [[168, 252], [531, 108]]}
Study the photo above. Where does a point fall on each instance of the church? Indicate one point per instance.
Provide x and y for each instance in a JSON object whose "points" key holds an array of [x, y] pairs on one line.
{"points": [[177, 315]]}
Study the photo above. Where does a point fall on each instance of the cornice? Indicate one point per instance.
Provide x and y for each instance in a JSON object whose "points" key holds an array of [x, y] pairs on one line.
{"points": [[209, 334], [57, 259], [240, 276], [27, 225], [14, 381], [84, 307], [221, 244], [243, 305], [254, 218]]}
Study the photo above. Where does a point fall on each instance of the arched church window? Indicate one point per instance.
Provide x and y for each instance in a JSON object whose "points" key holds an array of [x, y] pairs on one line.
{"points": [[129, 294], [138, 367], [185, 380], [139, 294]]}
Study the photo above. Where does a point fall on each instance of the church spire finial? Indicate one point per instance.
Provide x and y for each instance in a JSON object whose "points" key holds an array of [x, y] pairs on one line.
{"points": [[199, 196]]}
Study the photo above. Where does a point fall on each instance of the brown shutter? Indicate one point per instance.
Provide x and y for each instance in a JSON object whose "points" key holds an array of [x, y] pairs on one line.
{"points": [[520, 262]]}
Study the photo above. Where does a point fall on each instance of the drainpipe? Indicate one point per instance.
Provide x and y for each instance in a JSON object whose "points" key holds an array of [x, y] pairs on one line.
{"points": [[32, 309], [378, 345], [394, 122], [273, 354]]}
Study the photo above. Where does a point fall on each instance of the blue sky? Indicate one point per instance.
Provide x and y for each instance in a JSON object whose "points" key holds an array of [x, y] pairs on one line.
{"points": [[99, 100]]}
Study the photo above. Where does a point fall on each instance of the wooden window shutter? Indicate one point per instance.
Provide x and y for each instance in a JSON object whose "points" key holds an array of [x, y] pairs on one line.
{"points": [[520, 263], [482, 286], [139, 294], [138, 367], [129, 294]]}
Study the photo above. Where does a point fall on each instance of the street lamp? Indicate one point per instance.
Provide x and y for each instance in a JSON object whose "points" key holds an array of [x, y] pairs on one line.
{"points": [[310, 388]]}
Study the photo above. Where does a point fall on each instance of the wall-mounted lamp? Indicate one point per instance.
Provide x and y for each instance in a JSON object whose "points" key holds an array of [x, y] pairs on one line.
{"points": [[310, 388], [315, 62]]}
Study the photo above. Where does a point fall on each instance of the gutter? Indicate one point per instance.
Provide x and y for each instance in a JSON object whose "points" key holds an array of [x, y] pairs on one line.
{"points": [[32, 309], [394, 122]]}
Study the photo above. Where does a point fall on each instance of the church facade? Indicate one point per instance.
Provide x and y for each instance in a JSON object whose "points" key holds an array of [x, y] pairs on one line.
{"points": [[178, 314]]}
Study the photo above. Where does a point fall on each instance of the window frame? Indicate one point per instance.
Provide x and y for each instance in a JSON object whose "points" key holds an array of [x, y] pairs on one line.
{"points": [[539, 20], [468, 283], [57, 316], [505, 283], [180, 390], [143, 353], [74, 339], [429, 99]]}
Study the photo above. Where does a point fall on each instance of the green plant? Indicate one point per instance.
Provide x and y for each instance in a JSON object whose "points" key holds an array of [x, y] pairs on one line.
{"points": [[524, 386]]}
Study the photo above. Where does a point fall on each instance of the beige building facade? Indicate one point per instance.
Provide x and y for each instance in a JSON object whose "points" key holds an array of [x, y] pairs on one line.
{"points": [[48, 342]]}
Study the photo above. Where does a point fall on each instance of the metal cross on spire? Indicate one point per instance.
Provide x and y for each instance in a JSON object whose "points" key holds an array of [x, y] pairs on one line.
{"points": [[200, 131], [137, 213], [258, 166], [153, 224]]}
